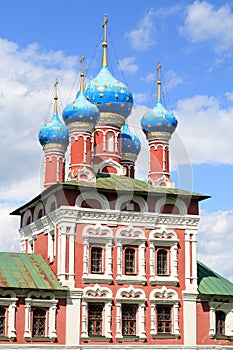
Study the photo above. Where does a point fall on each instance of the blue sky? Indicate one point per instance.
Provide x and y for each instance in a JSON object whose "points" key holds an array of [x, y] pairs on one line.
{"points": [[42, 41]]}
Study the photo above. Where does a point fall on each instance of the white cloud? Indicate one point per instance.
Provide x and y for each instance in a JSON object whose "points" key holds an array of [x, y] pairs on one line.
{"points": [[149, 77], [141, 38], [205, 129], [215, 241], [171, 80], [140, 97], [205, 23], [128, 64]]}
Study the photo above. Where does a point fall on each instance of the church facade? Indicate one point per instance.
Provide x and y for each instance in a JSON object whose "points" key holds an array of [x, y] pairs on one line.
{"points": [[108, 260]]}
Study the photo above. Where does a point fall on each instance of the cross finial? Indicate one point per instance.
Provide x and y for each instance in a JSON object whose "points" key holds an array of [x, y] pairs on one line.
{"points": [[56, 97], [158, 68], [82, 74], [104, 43], [82, 61], [104, 25]]}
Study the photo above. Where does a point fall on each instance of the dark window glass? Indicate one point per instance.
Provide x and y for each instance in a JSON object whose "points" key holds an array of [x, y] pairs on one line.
{"points": [[129, 313], [2, 320], [130, 261], [162, 262], [39, 322], [164, 319], [96, 260], [95, 319], [220, 322]]}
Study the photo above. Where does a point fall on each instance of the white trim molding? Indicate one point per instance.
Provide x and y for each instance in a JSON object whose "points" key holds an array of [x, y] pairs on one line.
{"points": [[131, 236], [164, 297], [41, 300], [167, 238], [97, 235], [10, 305], [96, 294], [226, 305], [131, 295], [90, 196]]}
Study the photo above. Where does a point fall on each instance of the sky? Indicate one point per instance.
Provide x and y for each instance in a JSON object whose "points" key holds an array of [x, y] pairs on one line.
{"points": [[193, 40]]}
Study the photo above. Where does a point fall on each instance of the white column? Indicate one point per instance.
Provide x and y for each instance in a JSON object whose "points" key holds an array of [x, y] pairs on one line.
{"points": [[212, 330], [187, 260], [62, 254], [108, 271], [73, 311], [152, 321], [141, 319], [11, 323], [84, 319], [27, 331], [118, 321], [142, 262], [119, 260], [71, 257], [176, 320], [52, 320], [152, 261], [194, 260], [108, 320], [85, 257], [174, 263], [190, 313]]}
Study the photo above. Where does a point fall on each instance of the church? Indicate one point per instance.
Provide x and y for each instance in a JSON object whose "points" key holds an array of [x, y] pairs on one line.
{"points": [[108, 260]]}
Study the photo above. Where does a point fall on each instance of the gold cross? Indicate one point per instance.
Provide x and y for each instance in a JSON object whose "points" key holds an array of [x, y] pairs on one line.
{"points": [[158, 69], [56, 89], [82, 61]]}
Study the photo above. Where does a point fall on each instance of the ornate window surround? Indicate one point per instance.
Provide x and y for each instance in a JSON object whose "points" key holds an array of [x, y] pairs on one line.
{"points": [[131, 236], [177, 202], [227, 307], [164, 238], [98, 235], [130, 197], [92, 195], [41, 300], [10, 305], [97, 294], [163, 297], [131, 295]]}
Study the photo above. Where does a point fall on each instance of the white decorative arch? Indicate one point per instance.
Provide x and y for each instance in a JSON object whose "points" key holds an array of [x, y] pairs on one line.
{"points": [[163, 297], [174, 201], [109, 162], [52, 199], [41, 300], [101, 294], [130, 197], [38, 208], [27, 215], [9, 303], [131, 236], [92, 195], [167, 238], [131, 295], [97, 235]]}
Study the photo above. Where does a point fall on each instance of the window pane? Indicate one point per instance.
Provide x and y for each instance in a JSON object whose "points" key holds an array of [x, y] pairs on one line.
{"points": [[95, 312], [164, 319], [129, 319], [220, 322], [96, 260], [162, 262], [39, 322], [129, 261], [2, 321]]}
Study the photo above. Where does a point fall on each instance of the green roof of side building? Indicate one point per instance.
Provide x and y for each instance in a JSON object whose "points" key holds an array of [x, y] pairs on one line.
{"points": [[30, 271], [211, 283]]}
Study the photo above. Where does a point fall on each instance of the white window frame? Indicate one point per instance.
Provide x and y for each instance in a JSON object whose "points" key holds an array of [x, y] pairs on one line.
{"points": [[163, 297], [134, 296], [97, 294], [164, 238], [40, 301], [10, 305], [98, 235], [227, 307], [131, 236]]}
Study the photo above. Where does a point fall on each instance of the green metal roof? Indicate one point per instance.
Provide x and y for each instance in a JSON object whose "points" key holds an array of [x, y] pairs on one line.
{"points": [[19, 270], [211, 283]]}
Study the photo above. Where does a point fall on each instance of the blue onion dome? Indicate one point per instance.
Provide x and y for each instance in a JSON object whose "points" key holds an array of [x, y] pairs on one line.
{"points": [[159, 120], [81, 114], [130, 143], [109, 94], [55, 132]]}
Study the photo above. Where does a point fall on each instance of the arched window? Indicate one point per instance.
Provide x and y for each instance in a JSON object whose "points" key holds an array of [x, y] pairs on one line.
{"points": [[95, 319], [129, 319], [162, 262], [2, 321], [110, 142], [39, 323], [220, 322], [130, 262]]}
